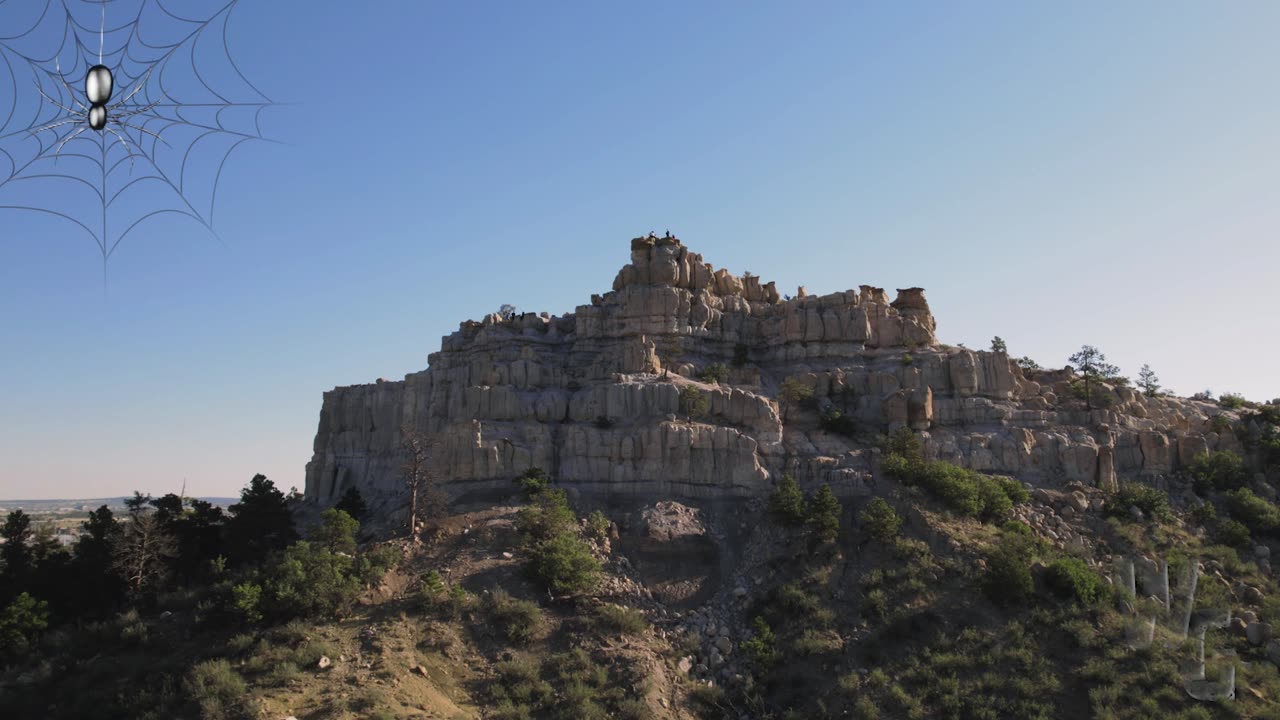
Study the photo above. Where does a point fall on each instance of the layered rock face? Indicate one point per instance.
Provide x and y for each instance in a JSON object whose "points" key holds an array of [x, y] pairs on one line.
{"points": [[595, 397]]}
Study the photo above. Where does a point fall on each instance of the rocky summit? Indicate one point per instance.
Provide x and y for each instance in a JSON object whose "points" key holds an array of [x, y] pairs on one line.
{"points": [[689, 381]]}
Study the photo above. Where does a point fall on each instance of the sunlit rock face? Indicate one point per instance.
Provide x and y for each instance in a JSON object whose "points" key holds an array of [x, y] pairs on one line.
{"points": [[594, 397]]}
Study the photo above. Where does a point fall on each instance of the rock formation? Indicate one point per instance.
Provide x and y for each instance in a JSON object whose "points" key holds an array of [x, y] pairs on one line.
{"points": [[594, 397]]}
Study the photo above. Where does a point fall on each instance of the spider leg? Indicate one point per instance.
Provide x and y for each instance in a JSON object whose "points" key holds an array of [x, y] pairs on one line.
{"points": [[138, 111], [141, 130], [128, 148], [64, 143], [55, 102], [51, 126], [63, 80], [140, 84]]}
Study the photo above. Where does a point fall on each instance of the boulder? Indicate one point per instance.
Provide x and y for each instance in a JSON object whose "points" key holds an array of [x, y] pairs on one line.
{"points": [[1258, 633]]}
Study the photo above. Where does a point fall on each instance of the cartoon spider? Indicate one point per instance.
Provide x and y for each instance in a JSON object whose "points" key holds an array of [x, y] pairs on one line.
{"points": [[99, 83]]}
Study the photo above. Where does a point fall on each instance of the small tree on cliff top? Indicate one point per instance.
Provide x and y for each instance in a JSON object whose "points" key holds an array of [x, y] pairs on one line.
{"points": [[1148, 382], [997, 345], [1094, 368]]}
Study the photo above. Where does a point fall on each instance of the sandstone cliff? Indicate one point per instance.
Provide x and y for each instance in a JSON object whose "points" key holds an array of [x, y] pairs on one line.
{"points": [[593, 397]]}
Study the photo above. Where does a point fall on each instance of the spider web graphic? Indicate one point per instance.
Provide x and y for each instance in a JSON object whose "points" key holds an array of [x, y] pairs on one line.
{"points": [[186, 103]]}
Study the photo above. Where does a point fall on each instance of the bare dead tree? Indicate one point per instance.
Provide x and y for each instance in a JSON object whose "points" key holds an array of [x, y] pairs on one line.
{"points": [[426, 499], [145, 547]]}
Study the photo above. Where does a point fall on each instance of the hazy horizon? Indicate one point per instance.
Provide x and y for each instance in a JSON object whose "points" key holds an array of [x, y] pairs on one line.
{"points": [[1056, 176]]}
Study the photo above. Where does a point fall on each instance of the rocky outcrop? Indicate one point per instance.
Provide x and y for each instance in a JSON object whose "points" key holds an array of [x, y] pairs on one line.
{"points": [[594, 397]]}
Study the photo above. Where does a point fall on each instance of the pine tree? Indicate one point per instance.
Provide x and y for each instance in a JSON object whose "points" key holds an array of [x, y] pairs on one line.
{"points": [[199, 535], [336, 532], [1093, 368], [881, 521], [16, 553], [787, 502], [997, 345], [824, 514], [101, 588], [260, 523], [352, 503], [1148, 381]]}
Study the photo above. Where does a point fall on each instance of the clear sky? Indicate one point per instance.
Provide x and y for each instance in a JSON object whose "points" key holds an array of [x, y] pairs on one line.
{"points": [[1054, 173]]}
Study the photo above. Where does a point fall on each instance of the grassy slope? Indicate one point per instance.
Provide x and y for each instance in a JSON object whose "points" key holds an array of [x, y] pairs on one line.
{"points": [[864, 629]]}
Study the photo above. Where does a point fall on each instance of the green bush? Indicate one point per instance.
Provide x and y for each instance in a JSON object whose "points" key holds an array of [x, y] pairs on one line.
{"points": [[1204, 513], [955, 486], [533, 481], [786, 504], [1232, 533], [316, 577], [217, 689], [881, 521], [336, 532], [618, 620], [836, 422], [794, 392], [1256, 513], [1220, 424], [519, 687], [21, 623], [584, 687], [1232, 401], [548, 516], [761, 649], [964, 491], [904, 444], [1008, 578], [1016, 527], [565, 564], [715, 372], [693, 402], [598, 526], [519, 621], [1153, 503], [1218, 470], [446, 602], [995, 502], [246, 600], [311, 581], [1014, 490], [823, 514], [967, 492], [865, 709], [1070, 578], [376, 561], [898, 467]]}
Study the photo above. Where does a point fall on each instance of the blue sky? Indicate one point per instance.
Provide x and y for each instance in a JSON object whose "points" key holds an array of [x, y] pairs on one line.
{"points": [[1056, 174]]}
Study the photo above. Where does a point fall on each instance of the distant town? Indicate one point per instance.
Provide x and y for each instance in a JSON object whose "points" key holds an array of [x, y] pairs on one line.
{"points": [[63, 517]]}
